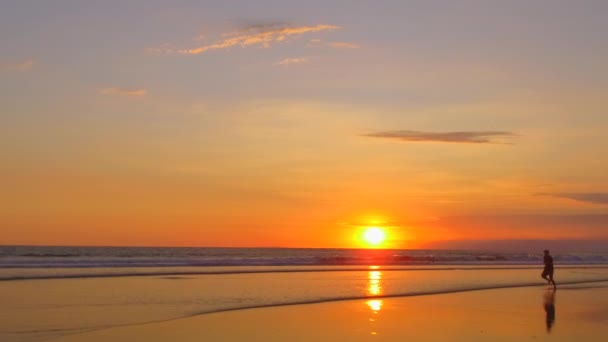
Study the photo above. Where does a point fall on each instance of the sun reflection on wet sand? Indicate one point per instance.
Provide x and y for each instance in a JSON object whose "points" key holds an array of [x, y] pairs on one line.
{"points": [[375, 305], [374, 289]]}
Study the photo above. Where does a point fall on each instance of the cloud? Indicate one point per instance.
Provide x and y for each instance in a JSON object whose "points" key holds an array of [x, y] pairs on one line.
{"points": [[475, 137], [289, 61], [335, 45], [260, 34], [21, 66], [258, 27], [525, 221], [123, 92], [539, 226], [588, 197], [199, 37], [342, 45], [520, 245]]}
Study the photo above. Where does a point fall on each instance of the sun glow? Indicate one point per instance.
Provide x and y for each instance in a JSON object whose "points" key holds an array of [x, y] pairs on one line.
{"points": [[374, 236]]}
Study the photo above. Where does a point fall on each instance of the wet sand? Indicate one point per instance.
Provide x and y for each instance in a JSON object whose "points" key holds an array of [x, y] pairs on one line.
{"points": [[572, 313]]}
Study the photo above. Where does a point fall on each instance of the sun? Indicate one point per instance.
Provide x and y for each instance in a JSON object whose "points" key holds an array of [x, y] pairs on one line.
{"points": [[374, 235]]}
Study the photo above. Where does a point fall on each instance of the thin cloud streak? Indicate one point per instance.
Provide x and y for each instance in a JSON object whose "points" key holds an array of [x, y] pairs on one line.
{"points": [[343, 45], [257, 27], [470, 137], [587, 197], [335, 45], [262, 35], [21, 66], [114, 91], [290, 61], [199, 37]]}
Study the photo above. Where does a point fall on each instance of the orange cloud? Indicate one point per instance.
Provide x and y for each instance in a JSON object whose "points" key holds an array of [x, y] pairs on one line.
{"points": [[262, 35], [22, 66], [123, 91]]}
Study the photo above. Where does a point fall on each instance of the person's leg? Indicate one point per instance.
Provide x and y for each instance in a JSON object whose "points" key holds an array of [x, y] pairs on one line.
{"points": [[545, 274], [551, 279]]}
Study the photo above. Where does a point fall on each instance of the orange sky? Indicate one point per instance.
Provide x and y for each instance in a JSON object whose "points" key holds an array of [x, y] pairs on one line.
{"points": [[277, 125]]}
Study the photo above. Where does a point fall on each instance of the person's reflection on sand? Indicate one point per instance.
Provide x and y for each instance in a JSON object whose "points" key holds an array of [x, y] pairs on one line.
{"points": [[550, 308]]}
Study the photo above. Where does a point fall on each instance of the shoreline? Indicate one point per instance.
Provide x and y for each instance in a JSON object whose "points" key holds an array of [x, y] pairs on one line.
{"points": [[507, 314], [37, 310], [77, 272]]}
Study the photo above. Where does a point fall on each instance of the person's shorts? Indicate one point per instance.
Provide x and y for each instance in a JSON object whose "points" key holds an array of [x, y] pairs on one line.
{"points": [[547, 271]]}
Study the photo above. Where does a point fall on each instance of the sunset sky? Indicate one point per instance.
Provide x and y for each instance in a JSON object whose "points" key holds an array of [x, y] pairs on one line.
{"points": [[300, 123]]}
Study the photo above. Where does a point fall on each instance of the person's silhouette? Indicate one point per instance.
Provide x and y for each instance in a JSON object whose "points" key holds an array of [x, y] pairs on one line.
{"points": [[548, 270], [550, 309]]}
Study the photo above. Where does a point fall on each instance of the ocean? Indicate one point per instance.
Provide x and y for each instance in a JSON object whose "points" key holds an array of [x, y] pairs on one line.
{"points": [[48, 292], [94, 257]]}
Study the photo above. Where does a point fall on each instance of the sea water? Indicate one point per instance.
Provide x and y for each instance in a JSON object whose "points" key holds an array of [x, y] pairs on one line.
{"points": [[53, 291], [113, 257]]}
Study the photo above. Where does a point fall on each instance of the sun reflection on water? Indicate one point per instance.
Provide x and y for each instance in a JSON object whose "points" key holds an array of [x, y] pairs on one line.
{"points": [[375, 305], [374, 288]]}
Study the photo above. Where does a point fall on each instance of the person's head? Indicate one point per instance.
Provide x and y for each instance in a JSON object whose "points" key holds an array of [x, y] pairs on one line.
{"points": [[546, 251]]}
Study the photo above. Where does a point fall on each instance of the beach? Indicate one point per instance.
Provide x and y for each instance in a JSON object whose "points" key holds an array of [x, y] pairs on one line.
{"points": [[325, 303], [580, 313]]}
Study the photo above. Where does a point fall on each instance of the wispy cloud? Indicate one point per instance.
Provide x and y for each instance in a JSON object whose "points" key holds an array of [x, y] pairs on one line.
{"points": [[199, 37], [474, 137], [20, 66], [249, 27], [335, 45], [260, 34], [343, 45], [289, 61], [588, 197], [113, 91]]}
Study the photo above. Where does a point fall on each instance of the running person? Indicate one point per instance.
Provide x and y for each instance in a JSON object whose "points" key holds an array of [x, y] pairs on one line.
{"points": [[548, 271]]}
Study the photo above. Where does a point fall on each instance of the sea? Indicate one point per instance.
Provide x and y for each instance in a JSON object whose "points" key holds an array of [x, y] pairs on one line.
{"points": [[52, 291], [58, 257]]}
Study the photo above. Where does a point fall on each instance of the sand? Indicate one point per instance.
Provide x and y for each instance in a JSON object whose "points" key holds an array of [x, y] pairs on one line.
{"points": [[572, 313]]}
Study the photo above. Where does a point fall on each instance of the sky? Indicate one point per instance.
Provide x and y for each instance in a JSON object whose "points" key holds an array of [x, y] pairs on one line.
{"points": [[301, 123]]}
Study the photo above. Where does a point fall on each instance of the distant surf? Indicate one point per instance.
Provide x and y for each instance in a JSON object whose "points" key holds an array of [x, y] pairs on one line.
{"points": [[115, 257]]}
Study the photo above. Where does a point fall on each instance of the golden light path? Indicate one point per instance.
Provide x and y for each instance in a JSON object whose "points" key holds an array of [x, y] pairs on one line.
{"points": [[374, 289]]}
